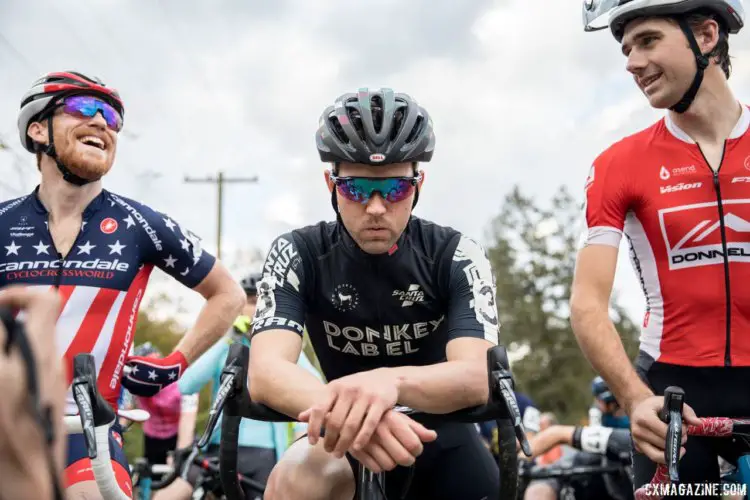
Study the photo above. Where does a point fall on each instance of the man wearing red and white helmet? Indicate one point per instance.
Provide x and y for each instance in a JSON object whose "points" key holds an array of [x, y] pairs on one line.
{"points": [[97, 249], [680, 193]]}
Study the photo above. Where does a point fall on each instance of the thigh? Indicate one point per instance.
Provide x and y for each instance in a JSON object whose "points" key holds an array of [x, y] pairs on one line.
{"points": [[79, 477], [256, 464], [456, 465], [461, 468], [156, 449], [310, 472]]}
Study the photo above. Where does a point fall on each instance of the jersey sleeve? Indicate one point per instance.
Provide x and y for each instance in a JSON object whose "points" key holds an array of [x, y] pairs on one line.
{"points": [[606, 202], [173, 248], [281, 303], [203, 369], [472, 308]]}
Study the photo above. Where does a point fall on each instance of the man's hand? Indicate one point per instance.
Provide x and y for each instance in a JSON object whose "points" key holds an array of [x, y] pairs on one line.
{"points": [[397, 440], [150, 375], [350, 410], [650, 433]]}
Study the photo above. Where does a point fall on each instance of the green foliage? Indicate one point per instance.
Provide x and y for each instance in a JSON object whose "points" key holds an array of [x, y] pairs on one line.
{"points": [[533, 250]]}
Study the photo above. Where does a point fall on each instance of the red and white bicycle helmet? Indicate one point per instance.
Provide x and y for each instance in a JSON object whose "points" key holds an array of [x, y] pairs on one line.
{"points": [[45, 92]]}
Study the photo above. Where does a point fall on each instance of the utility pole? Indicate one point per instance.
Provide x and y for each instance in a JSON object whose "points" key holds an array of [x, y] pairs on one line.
{"points": [[219, 180]]}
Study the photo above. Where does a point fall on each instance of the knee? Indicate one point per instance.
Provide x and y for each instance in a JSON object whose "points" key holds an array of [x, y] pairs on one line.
{"points": [[540, 491], [310, 475]]}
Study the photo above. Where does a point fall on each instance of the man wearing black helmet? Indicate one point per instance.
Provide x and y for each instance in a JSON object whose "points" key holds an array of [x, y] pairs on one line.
{"points": [[678, 191], [398, 310], [97, 250]]}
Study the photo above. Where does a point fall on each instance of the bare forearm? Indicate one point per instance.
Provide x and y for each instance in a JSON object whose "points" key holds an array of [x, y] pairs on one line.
{"points": [[603, 348], [186, 429], [442, 387], [547, 439], [284, 386], [214, 320]]}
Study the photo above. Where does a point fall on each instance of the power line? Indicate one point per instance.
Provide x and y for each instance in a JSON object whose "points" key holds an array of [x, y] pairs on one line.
{"points": [[219, 180]]}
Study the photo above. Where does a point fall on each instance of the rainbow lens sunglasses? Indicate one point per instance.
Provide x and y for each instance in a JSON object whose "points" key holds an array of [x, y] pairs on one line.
{"points": [[86, 106], [361, 189]]}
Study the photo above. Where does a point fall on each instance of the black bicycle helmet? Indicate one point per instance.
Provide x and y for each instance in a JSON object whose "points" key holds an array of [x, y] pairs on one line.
{"points": [[250, 283], [375, 127]]}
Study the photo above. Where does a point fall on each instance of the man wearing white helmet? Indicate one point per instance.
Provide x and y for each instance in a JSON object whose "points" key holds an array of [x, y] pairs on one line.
{"points": [[96, 249], [679, 191]]}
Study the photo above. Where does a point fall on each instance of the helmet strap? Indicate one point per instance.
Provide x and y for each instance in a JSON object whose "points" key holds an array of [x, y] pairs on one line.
{"points": [[50, 151], [701, 62]]}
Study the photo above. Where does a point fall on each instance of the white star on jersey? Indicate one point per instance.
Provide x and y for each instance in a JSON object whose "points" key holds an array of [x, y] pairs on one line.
{"points": [[152, 375], [129, 221], [185, 272], [86, 248], [169, 223], [41, 248], [185, 244], [169, 262], [172, 375], [12, 248], [116, 248]]}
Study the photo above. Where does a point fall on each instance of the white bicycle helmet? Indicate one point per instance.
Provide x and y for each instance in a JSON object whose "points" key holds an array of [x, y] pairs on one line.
{"points": [[618, 13]]}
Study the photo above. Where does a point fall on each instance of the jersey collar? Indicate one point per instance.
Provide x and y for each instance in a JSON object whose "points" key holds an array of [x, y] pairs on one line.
{"points": [[92, 207], [354, 249], [739, 129]]}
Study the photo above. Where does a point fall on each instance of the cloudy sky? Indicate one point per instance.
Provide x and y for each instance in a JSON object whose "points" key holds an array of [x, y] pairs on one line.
{"points": [[517, 97]]}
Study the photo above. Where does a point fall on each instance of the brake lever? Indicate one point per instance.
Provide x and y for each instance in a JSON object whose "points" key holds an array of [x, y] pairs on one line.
{"points": [[226, 389], [82, 396], [505, 383], [671, 414]]}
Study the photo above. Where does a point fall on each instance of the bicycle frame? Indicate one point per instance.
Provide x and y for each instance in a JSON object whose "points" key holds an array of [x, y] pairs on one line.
{"points": [[233, 398]]}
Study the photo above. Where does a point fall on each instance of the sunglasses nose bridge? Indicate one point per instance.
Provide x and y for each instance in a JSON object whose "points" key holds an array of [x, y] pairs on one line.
{"points": [[376, 204]]}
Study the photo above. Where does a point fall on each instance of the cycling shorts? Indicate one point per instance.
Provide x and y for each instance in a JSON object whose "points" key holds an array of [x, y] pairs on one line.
{"points": [[710, 392], [253, 463], [456, 465], [78, 464]]}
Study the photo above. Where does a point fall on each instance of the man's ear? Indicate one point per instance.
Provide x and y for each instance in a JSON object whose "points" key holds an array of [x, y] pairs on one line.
{"points": [[38, 132], [329, 182]]}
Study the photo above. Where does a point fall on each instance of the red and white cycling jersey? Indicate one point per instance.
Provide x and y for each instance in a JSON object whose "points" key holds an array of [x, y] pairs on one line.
{"points": [[689, 233]]}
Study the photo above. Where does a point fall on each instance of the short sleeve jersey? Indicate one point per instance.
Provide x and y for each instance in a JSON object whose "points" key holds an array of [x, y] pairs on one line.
{"points": [[102, 279], [367, 311], [688, 229]]}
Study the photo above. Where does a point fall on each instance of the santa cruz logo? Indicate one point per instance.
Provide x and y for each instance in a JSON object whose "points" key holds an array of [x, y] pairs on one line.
{"points": [[345, 298]]}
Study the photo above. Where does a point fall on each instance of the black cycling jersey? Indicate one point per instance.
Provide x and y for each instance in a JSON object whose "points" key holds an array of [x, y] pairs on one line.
{"points": [[366, 311], [400, 308]]}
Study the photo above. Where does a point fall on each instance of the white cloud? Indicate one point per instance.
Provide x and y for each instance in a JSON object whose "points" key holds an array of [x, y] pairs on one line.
{"points": [[519, 95]]}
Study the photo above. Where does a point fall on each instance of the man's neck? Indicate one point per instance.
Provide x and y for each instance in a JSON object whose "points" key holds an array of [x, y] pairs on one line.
{"points": [[713, 114], [62, 199]]}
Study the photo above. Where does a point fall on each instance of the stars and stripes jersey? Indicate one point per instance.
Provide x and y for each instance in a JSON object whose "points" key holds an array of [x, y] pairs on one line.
{"points": [[102, 279], [688, 229]]}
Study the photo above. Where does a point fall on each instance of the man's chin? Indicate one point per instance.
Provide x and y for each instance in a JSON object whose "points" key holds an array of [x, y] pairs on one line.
{"points": [[375, 247], [91, 170]]}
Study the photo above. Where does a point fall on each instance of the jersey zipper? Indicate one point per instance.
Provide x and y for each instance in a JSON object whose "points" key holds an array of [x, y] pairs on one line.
{"points": [[723, 230]]}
